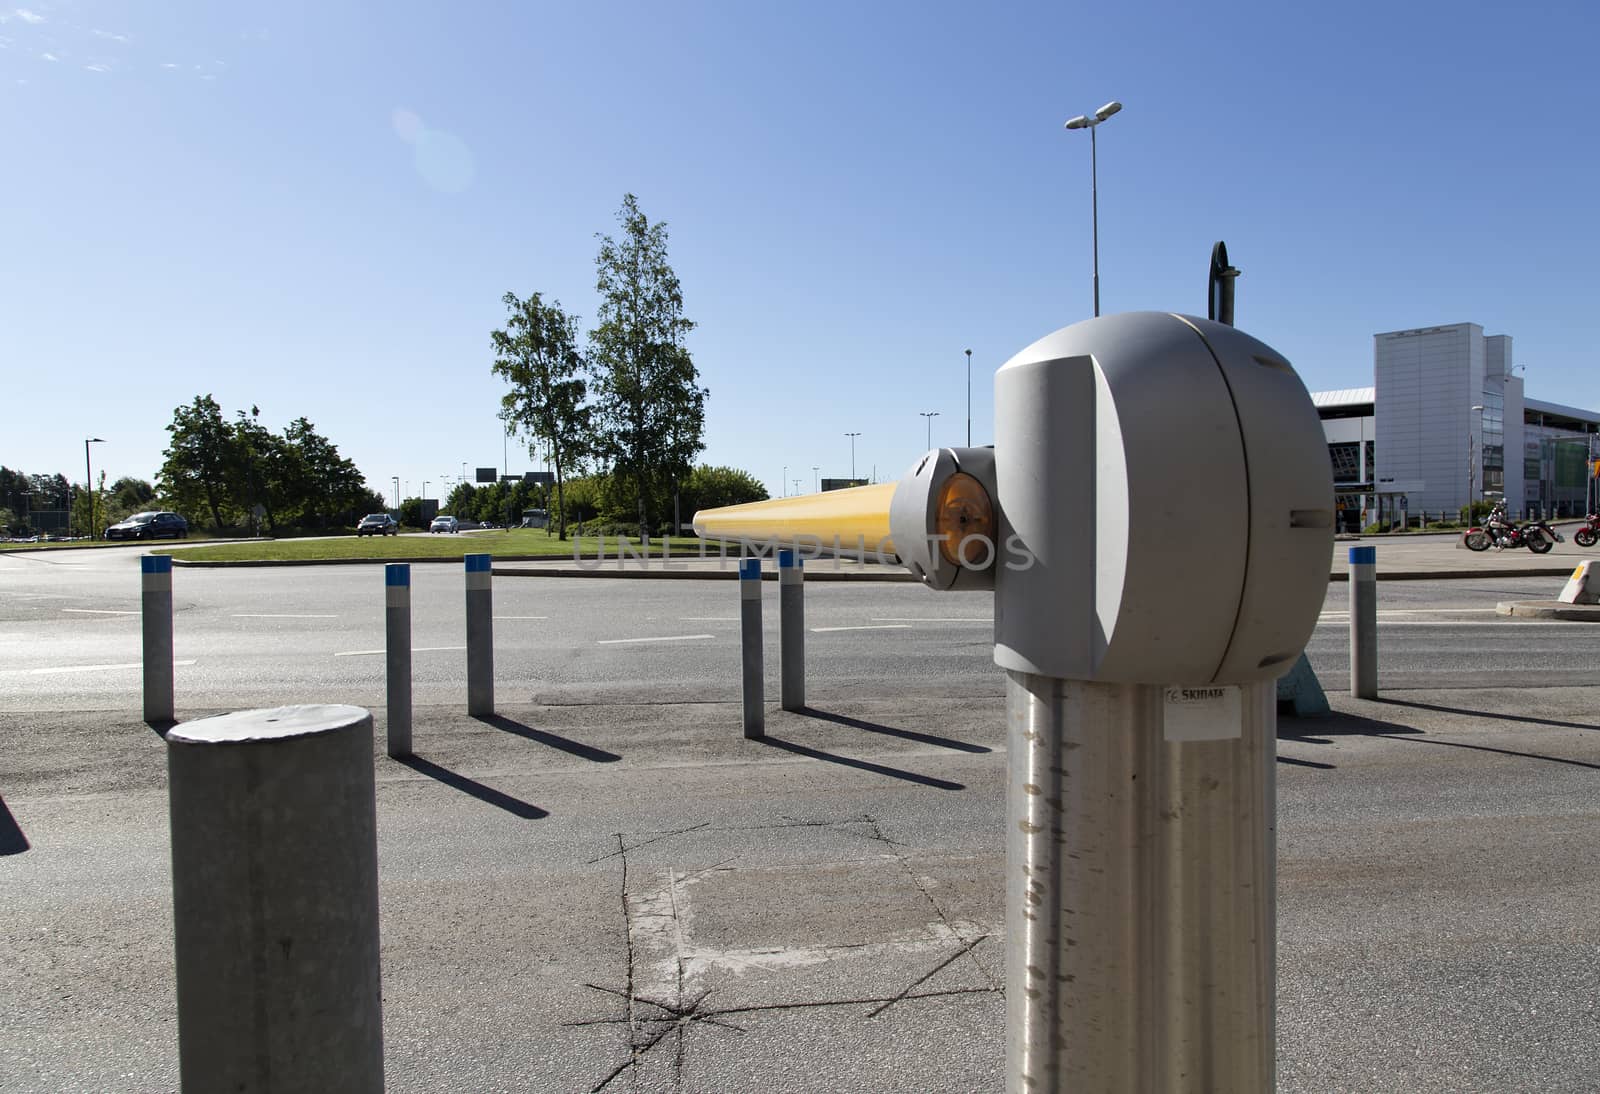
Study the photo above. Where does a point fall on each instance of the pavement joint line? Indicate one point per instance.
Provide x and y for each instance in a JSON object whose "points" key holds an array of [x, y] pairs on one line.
{"points": [[865, 627], [57, 670], [655, 638], [278, 615], [932, 619], [521, 617], [99, 611], [414, 649]]}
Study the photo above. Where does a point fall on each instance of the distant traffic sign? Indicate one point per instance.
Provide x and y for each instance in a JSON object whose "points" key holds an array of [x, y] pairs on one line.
{"points": [[487, 474]]}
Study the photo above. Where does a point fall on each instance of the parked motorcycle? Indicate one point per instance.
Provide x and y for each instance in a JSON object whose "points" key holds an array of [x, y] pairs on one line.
{"points": [[1589, 533], [1536, 536]]}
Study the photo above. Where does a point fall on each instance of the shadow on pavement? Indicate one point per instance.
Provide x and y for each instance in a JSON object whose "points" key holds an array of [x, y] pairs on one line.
{"points": [[1353, 725], [12, 841], [161, 726], [1307, 763], [1501, 751], [1316, 730], [891, 731], [1490, 714], [861, 765], [487, 794], [565, 744]]}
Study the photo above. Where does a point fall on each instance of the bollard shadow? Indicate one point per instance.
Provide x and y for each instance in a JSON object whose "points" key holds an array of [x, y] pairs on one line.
{"points": [[1353, 725], [486, 794], [1292, 762], [859, 765], [1491, 714], [891, 731], [12, 841], [161, 725], [544, 737], [1336, 724]]}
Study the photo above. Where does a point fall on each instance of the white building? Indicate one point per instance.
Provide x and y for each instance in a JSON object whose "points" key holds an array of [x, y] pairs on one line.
{"points": [[1434, 430]]}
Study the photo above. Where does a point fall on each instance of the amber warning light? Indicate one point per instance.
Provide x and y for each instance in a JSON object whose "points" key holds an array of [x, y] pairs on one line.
{"points": [[964, 522]]}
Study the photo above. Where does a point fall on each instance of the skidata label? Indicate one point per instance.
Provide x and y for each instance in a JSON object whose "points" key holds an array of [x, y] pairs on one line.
{"points": [[1212, 712]]}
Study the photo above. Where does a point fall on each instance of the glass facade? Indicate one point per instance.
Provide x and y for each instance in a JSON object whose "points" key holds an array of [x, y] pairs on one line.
{"points": [[1494, 442]]}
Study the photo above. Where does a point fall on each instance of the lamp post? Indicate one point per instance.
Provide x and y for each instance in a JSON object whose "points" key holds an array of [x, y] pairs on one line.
{"points": [[852, 437], [930, 415], [783, 483], [397, 495], [816, 479], [797, 483], [969, 398], [1090, 123], [88, 479]]}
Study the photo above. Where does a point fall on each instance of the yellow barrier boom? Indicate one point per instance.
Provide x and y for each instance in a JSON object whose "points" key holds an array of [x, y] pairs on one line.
{"points": [[853, 521]]}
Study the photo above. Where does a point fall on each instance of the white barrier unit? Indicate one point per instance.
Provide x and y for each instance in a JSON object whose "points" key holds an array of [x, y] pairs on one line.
{"points": [[1583, 587]]}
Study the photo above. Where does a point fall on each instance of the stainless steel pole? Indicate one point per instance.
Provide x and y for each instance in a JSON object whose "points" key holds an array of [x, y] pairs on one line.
{"points": [[791, 630], [480, 636], [1094, 216], [155, 604], [1364, 622], [275, 901], [397, 635], [1140, 906], [752, 681]]}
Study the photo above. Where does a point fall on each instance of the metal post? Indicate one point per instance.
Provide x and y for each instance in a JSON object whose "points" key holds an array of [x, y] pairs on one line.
{"points": [[1140, 905], [397, 632], [1364, 622], [155, 603], [1094, 215], [791, 630], [480, 636], [276, 944], [750, 646]]}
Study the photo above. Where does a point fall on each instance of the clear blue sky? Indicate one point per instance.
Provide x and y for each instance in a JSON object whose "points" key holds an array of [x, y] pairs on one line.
{"points": [[316, 208]]}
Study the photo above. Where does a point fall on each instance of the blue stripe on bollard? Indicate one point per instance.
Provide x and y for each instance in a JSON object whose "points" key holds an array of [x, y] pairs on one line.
{"points": [[750, 569], [477, 563], [397, 573], [155, 564], [788, 559], [1363, 556]]}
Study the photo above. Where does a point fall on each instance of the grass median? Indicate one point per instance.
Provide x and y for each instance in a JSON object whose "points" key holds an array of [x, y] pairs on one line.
{"points": [[516, 544]]}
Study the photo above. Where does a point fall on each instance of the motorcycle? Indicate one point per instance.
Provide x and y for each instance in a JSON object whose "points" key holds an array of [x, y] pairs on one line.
{"points": [[1589, 533], [1536, 536]]}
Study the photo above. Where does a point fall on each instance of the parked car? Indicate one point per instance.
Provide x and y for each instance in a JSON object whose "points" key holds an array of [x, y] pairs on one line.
{"points": [[378, 524], [444, 523], [151, 525]]}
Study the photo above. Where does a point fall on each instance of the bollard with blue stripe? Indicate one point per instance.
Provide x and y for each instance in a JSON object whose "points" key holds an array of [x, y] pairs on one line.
{"points": [[480, 636], [752, 682], [155, 608], [397, 633], [1364, 622], [791, 631]]}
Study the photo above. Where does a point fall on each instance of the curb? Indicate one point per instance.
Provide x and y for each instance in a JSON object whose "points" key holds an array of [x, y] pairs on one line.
{"points": [[1549, 609]]}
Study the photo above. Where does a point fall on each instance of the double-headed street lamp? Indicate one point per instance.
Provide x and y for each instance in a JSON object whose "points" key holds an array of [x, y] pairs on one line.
{"points": [[930, 415], [1090, 122], [852, 437], [88, 478]]}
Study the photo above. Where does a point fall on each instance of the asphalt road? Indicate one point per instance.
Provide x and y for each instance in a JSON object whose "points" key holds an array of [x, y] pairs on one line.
{"points": [[69, 637], [606, 888]]}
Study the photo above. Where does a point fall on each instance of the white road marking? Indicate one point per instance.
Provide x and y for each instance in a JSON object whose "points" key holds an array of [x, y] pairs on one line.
{"points": [[660, 638], [709, 619], [872, 627], [98, 611], [414, 649], [1449, 623], [931, 619], [94, 668], [264, 615], [522, 617], [1345, 614]]}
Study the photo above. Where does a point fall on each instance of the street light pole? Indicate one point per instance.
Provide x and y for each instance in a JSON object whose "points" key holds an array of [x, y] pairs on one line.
{"points": [[783, 483], [816, 479], [1083, 121], [930, 415], [969, 398], [88, 479], [852, 437], [397, 494]]}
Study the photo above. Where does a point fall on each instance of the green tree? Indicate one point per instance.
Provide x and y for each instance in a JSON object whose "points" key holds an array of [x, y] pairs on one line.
{"points": [[712, 487], [650, 409], [327, 487], [198, 460], [262, 469], [130, 495], [537, 354]]}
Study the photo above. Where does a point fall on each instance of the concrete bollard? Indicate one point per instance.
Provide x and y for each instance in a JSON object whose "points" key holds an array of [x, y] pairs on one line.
{"points": [[753, 684], [155, 608], [1364, 622], [480, 636], [397, 632], [791, 630], [275, 901]]}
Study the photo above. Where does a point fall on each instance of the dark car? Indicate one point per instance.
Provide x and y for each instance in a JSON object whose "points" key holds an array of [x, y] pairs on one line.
{"points": [[150, 525], [378, 524]]}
